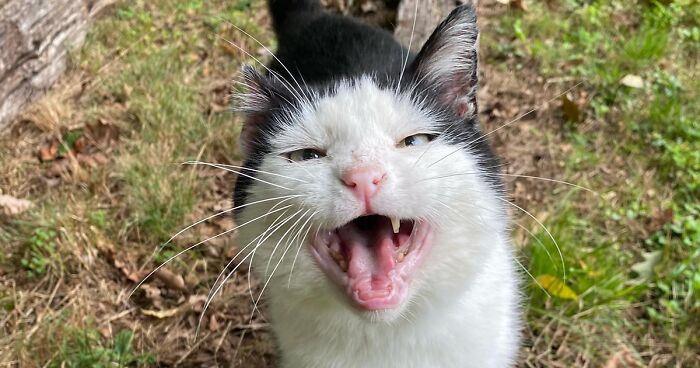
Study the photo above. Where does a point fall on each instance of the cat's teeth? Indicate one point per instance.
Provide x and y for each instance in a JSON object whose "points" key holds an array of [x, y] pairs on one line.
{"points": [[396, 224]]}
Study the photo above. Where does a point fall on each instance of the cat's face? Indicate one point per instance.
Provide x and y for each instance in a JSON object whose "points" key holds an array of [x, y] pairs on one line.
{"points": [[355, 192]]}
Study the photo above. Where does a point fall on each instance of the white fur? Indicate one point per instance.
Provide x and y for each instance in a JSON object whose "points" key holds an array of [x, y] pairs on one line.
{"points": [[462, 308]]}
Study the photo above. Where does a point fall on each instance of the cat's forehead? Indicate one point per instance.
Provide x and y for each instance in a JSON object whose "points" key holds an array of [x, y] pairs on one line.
{"points": [[361, 112]]}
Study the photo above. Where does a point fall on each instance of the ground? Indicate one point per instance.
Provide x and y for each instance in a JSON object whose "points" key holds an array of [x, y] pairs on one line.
{"points": [[594, 94]]}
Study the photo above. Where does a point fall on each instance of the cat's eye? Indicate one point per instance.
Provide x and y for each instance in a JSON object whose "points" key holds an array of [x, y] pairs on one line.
{"points": [[305, 154], [415, 140]]}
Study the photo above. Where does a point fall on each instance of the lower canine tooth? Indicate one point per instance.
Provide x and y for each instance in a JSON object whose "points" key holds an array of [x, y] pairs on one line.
{"points": [[395, 224], [400, 257]]}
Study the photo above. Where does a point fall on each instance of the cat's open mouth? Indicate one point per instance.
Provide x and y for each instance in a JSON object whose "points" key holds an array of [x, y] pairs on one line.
{"points": [[373, 259]]}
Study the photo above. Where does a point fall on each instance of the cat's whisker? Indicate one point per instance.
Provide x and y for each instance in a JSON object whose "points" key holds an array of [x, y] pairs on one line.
{"points": [[290, 230], [222, 166], [271, 53], [483, 223], [291, 227], [302, 167], [216, 288], [225, 212], [255, 306], [534, 279], [288, 86], [483, 137], [408, 52], [561, 256], [301, 244], [218, 166], [514, 176], [194, 246], [539, 242], [497, 213]]}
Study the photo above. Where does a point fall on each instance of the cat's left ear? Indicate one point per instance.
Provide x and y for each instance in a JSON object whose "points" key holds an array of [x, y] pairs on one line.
{"points": [[446, 66]]}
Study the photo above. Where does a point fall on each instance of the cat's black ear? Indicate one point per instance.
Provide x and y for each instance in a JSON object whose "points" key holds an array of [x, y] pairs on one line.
{"points": [[446, 66], [255, 104]]}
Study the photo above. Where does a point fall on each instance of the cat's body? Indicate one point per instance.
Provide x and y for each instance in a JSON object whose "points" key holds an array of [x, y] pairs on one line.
{"points": [[375, 204]]}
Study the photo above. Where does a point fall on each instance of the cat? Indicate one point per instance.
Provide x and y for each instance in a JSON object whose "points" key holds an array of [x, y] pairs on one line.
{"points": [[370, 204]]}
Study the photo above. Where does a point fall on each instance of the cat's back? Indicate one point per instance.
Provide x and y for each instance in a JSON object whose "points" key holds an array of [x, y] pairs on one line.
{"points": [[322, 47]]}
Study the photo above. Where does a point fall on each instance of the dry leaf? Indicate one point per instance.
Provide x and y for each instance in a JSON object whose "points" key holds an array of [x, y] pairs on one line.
{"points": [[571, 111], [518, 4], [623, 358], [160, 314], [49, 153], [171, 280], [556, 287], [515, 4], [632, 81], [645, 268], [13, 206]]}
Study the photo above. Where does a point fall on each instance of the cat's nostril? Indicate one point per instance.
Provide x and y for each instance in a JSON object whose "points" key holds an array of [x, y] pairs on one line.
{"points": [[364, 181]]}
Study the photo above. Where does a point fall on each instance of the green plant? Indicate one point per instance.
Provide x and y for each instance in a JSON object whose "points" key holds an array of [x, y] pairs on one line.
{"points": [[39, 252], [85, 349]]}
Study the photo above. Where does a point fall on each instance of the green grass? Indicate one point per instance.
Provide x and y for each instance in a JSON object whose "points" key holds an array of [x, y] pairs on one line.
{"points": [[87, 349], [650, 134]]}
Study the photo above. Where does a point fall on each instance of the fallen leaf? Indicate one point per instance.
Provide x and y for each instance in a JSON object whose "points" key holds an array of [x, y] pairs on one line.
{"points": [[518, 4], [515, 4], [632, 81], [571, 111], [660, 219], [14, 206], [171, 280], [161, 314], [556, 287], [623, 358], [50, 152], [645, 268]]}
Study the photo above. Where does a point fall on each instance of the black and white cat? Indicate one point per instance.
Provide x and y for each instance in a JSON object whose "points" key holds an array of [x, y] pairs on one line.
{"points": [[372, 201]]}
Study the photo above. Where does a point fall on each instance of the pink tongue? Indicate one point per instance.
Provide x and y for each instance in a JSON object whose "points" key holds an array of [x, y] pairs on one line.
{"points": [[371, 259]]}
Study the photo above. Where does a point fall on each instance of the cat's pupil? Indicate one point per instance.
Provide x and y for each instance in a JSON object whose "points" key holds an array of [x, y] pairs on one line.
{"points": [[410, 141], [309, 154]]}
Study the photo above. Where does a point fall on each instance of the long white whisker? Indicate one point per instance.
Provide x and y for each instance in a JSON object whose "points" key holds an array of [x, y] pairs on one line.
{"points": [[408, 53], [221, 166], [192, 247], [271, 53], [508, 123], [274, 250], [561, 256], [215, 288], [278, 264], [218, 166], [224, 212], [288, 86], [514, 176], [511, 255], [301, 244]]}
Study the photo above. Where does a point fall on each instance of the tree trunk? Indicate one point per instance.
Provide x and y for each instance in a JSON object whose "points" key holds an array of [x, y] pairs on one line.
{"points": [[427, 16], [35, 37]]}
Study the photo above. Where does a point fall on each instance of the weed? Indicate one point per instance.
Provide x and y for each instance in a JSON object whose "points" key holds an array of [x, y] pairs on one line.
{"points": [[85, 348], [41, 248]]}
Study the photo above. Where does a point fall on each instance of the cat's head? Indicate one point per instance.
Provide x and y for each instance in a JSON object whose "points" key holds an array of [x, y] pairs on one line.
{"points": [[367, 192]]}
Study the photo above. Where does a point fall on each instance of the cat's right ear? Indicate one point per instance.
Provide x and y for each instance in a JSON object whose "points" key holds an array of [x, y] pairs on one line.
{"points": [[255, 104]]}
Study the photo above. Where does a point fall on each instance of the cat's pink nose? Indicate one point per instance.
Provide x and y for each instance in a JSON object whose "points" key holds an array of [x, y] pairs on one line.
{"points": [[364, 181]]}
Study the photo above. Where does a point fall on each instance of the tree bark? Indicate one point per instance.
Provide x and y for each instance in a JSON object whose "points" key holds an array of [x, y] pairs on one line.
{"points": [[427, 14], [35, 37]]}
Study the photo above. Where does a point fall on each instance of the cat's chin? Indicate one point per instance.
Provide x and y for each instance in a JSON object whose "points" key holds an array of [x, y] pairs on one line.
{"points": [[373, 262]]}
